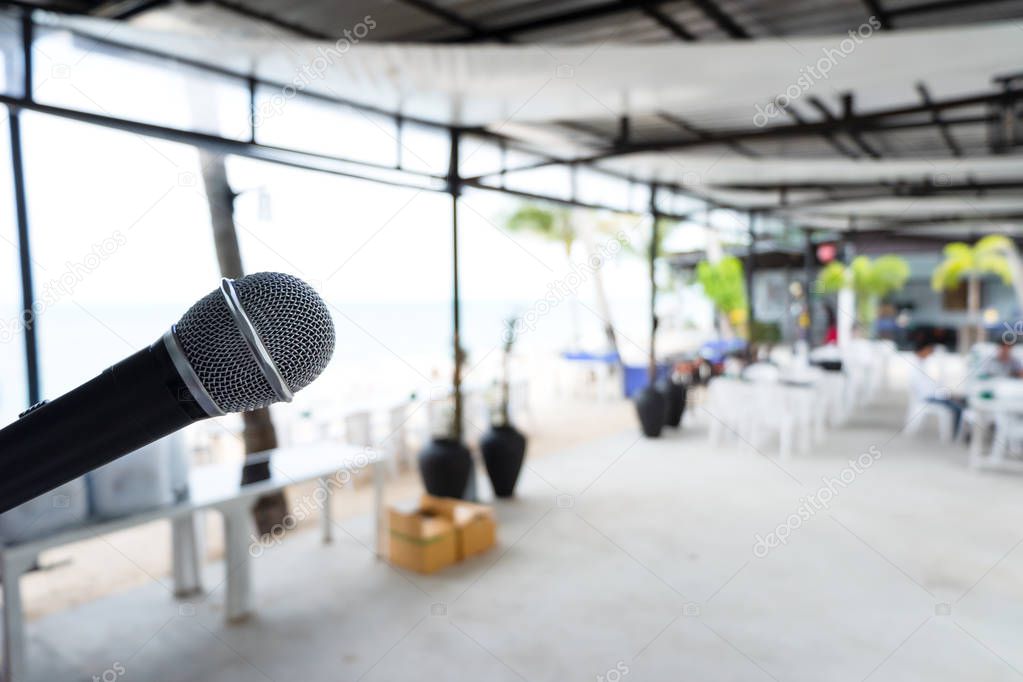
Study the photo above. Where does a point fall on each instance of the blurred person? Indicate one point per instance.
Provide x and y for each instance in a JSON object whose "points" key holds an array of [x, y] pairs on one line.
{"points": [[1003, 364], [831, 332], [926, 390]]}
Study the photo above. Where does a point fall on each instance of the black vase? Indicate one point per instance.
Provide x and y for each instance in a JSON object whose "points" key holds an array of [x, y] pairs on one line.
{"points": [[675, 401], [445, 465], [650, 406], [504, 449]]}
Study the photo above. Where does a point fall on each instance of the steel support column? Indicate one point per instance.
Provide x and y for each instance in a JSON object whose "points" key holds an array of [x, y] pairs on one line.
{"points": [[28, 318], [751, 264], [808, 262]]}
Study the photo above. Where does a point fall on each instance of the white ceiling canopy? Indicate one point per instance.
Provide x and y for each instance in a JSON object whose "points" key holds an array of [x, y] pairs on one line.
{"points": [[489, 85], [689, 115]]}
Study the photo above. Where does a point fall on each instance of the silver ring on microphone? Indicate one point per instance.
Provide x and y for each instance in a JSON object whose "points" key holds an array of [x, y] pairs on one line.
{"points": [[259, 352], [189, 376]]}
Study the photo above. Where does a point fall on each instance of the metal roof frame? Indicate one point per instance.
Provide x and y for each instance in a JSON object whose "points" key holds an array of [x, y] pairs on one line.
{"points": [[929, 112]]}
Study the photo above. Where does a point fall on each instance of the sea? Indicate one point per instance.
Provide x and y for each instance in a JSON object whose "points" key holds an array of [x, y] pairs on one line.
{"points": [[383, 350]]}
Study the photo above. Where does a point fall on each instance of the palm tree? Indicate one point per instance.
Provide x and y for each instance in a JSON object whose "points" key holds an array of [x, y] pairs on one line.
{"points": [[963, 261], [258, 434], [725, 285], [869, 279], [556, 224], [553, 224]]}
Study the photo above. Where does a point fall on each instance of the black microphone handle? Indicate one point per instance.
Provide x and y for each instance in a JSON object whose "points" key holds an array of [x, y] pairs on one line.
{"points": [[131, 404]]}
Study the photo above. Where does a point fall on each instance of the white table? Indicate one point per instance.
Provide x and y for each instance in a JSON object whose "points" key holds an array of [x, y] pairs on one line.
{"points": [[988, 401], [212, 488], [754, 410]]}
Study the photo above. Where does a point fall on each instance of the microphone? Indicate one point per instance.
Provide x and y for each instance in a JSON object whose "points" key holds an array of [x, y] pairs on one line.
{"points": [[253, 342]]}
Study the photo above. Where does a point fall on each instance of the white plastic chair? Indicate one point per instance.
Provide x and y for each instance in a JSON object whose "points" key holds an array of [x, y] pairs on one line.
{"points": [[725, 404], [756, 412], [762, 372], [397, 439], [1008, 436], [785, 412], [358, 429], [920, 411]]}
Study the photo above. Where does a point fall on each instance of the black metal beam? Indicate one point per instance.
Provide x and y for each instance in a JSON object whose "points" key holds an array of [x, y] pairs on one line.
{"points": [[938, 220], [287, 157], [724, 20], [879, 12], [946, 134], [831, 139], [702, 134], [532, 196], [125, 9], [669, 23], [881, 120], [278, 155], [941, 5], [624, 130], [817, 104], [1006, 132], [475, 30], [64, 6], [586, 129], [829, 202], [249, 13], [244, 77], [555, 19], [904, 189], [329, 99]]}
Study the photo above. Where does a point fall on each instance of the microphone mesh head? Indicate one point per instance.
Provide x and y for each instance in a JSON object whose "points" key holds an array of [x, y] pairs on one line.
{"points": [[289, 317]]}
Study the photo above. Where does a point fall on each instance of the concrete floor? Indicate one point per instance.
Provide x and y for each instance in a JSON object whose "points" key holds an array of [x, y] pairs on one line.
{"points": [[625, 559]]}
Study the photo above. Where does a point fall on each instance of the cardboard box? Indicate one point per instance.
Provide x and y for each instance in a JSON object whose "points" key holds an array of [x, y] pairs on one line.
{"points": [[475, 525], [421, 540]]}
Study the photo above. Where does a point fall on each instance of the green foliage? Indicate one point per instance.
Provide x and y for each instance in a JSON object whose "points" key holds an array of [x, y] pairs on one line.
{"points": [[867, 278], [724, 284], [881, 276], [987, 256], [832, 278], [551, 223]]}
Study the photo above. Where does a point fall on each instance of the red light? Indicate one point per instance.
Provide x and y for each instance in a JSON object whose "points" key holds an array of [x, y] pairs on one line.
{"points": [[826, 253]]}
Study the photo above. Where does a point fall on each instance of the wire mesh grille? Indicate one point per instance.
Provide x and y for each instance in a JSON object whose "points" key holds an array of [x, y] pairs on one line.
{"points": [[290, 318]]}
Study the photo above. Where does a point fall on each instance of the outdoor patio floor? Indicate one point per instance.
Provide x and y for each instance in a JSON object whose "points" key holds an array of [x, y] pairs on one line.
{"points": [[626, 558]]}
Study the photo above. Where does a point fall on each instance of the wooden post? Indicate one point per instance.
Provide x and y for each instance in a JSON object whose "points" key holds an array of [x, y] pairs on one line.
{"points": [[655, 218], [258, 431], [455, 189]]}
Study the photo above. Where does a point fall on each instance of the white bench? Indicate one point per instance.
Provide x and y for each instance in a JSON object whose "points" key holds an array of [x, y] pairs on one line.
{"points": [[212, 488]]}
